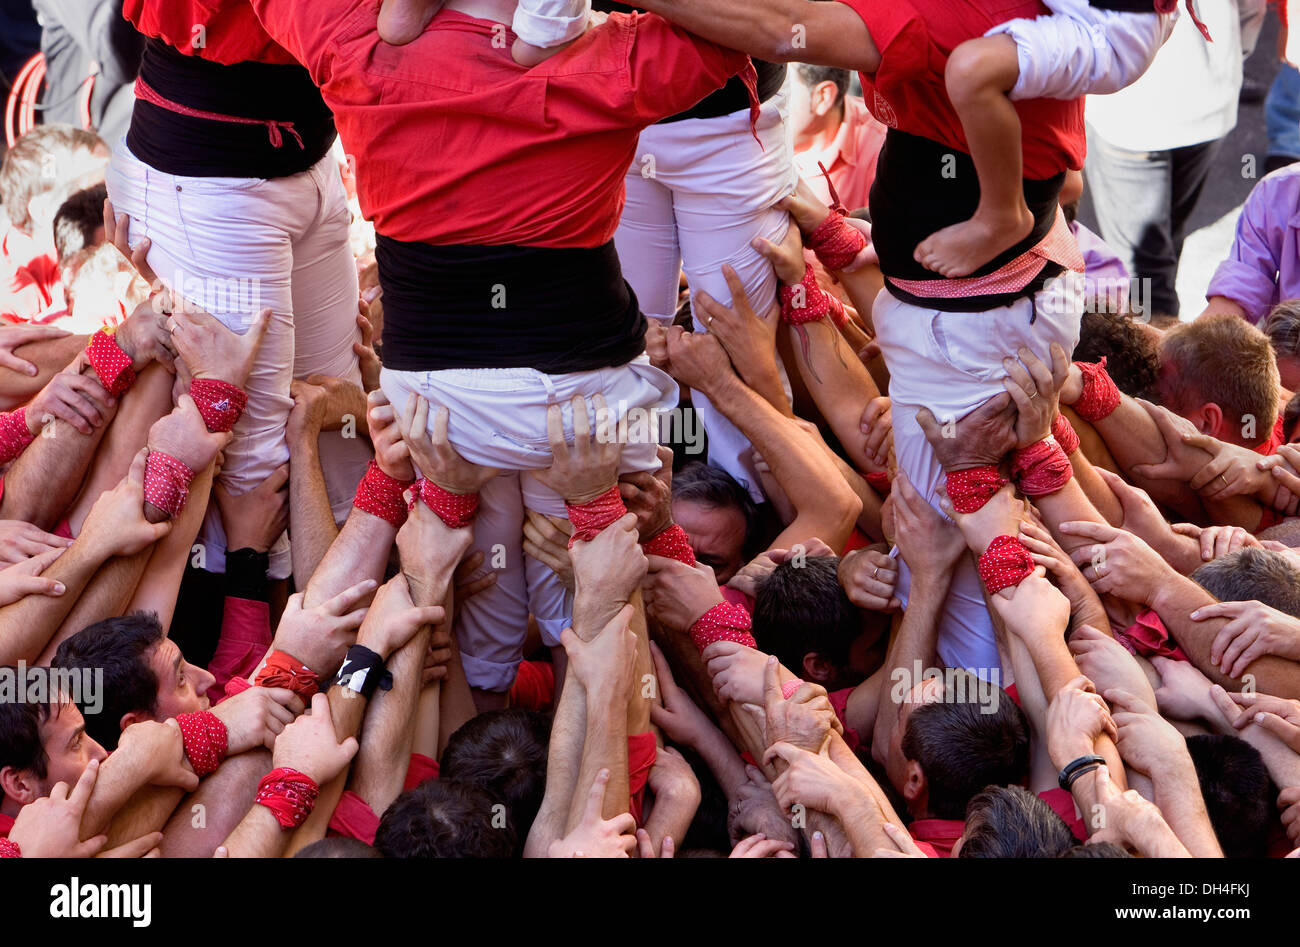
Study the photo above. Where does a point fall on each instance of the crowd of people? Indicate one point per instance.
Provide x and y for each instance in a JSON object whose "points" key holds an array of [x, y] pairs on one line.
{"points": [[498, 428]]}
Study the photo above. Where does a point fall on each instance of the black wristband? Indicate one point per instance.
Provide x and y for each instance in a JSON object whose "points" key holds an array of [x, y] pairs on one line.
{"points": [[363, 672], [246, 573], [1076, 768]]}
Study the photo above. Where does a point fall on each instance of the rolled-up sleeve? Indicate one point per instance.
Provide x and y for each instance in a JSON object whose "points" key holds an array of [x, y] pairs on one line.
{"points": [[1249, 275]]}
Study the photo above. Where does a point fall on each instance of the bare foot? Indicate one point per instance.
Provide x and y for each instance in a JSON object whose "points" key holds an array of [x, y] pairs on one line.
{"points": [[528, 55], [402, 21], [963, 248]]}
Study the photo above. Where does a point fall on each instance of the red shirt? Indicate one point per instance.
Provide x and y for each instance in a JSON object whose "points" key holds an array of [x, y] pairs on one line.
{"points": [[457, 144], [6, 825], [937, 835], [229, 29], [30, 287], [907, 92], [850, 158]]}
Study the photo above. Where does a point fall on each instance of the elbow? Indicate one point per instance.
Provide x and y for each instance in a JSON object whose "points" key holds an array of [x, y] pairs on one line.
{"points": [[784, 33]]}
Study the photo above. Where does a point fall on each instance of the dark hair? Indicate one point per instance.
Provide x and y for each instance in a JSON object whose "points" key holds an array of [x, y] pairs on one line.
{"points": [[813, 76], [339, 846], [117, 646], [713, 487], [1096, 850], [77, 220], [504, 752], [1253, 574], [1238, 792], [1132, 359], [962, 747], [1012, 822], [444, 818], [20, 734], [801, 608]]}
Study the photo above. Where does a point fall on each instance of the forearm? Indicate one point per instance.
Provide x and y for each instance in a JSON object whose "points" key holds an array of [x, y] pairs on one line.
{"points": [[827, 507], [346, 714], [835, 378], [50, 356], [161, 582], [43, 482], [359, 552], [604, 746], [563, 759], [259, 835], [106, 595], [913, 646], [672, 815], [1178, 797], [314, 530], [27, 625]]}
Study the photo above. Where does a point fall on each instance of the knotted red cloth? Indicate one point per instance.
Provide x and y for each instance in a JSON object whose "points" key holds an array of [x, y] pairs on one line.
{"points": [[672, 543], [588, 519], [14, 434], [111, 364], [1100, 396], [1149, 637], [220, 402], [284, 670], [1065, 434], [289, 794], [1169, 6], [1041, 468], [381, 495], [166, 482], [836, 243], [206, 740], [970, 489], [723, 622], [1005, 562], [807, 302], [456, 510], [9, 849], [878, 480], [789, 687]]}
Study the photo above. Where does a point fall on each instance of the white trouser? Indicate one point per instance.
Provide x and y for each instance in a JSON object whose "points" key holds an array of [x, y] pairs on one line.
{"points": [[951, 363], [237, 245], [498, 418], [698, 192], [547, 23]]}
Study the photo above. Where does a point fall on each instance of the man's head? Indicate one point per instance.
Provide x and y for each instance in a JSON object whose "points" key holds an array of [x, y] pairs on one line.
{"points": [[956, 734], [802, 615], [1012, 822], [504, 752], [816, 101], [1253, 574], [1239, 795], [1219, 372], [1132, 358], [145, 675], [41, 744], [79, 223], [718, 515], [1283, 330], [445, 818], [42, 168]]}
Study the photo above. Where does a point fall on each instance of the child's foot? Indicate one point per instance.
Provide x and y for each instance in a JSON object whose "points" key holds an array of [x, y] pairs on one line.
{"points": [[402, 21], [963, 248], [528, 55]]}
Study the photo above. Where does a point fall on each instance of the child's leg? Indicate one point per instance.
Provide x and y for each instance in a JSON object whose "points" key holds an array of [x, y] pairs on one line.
{"points": [[979, 74], [544, 27], [401, 21]]}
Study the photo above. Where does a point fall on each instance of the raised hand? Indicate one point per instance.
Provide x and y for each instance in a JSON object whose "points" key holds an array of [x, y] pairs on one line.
{"points": [[256, 519], [432, 451], [595, 836], [80, 400], [256, 716], [677, 594], [24, 578], [184, 435], [590, 467], [392, 453], [116, 522], [21, 541], [1253, 630], [210, 349], [15, 337], [50, 827], [310, 745], [980, 439], [1035, 388], [321, 635]]}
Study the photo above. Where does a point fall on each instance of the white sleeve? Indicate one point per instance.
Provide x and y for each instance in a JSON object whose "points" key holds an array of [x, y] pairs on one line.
{"points": [[1064, 56]]}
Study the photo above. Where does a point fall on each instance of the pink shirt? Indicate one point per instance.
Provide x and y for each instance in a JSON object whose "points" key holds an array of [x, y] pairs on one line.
{"points": [[850, 157]]}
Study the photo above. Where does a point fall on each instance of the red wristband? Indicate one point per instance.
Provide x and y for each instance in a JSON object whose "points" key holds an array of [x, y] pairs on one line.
{"points": [[1065, 434], [723, 622], [289, 794], [456, 510], [166, 482], [1041, 468], [14, 434], [588, 519], [836, 243], [878, 480], [220, 402], [970, 489], [1100, 396], [205, 738], [672, 543], [807, 302], [789, 687], [284, 670], [381, 495], [9, 849], [1005, 562], [111, 364]]}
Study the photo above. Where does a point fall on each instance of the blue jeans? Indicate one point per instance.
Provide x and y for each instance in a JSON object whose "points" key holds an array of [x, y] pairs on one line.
{"points": [[1282, 113]]}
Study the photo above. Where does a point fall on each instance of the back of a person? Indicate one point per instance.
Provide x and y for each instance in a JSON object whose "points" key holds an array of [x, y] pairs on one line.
{"points": [[457, 144]]}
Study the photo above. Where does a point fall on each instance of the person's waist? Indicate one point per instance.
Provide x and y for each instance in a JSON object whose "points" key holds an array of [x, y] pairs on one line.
{"points": [[734, 96], [250, 91]]}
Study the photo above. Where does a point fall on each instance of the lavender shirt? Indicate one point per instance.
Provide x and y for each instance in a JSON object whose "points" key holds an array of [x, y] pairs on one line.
{"points": [[1104, 275], [1263, 266]]}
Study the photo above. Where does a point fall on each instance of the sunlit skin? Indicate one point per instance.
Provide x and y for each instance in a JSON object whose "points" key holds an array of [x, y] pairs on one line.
{"points": [[68, 752], [717, 535], [182, 687]]}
